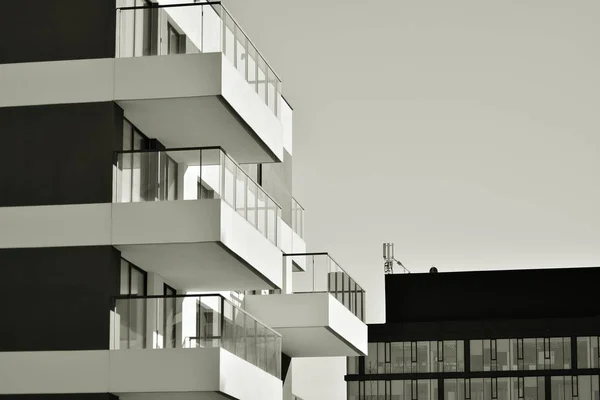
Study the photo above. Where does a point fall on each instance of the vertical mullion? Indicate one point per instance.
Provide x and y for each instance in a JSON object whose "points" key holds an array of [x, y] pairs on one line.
{"points": [[467, 388]]}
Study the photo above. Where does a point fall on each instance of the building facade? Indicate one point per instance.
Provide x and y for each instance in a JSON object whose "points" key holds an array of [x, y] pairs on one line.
{"points": [[150, 244], [506, 335]]}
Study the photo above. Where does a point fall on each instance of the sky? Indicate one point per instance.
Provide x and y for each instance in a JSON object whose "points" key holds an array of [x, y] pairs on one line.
{"points": [[464, 131]]}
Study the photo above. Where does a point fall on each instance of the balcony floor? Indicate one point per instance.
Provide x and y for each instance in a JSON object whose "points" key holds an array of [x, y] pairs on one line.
{"points": [[312, 324]]}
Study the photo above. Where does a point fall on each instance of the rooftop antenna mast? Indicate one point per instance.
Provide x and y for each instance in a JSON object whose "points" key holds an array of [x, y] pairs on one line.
{"points": [[389, 260]]}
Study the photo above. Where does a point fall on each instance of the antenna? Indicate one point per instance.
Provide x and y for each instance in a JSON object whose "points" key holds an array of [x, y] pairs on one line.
{"points": [[389, 260]]}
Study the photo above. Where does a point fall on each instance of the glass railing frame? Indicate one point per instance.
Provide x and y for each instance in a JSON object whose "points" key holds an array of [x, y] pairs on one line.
{"points": [[278, 208], [297, 208], [357, 288], [249, 44], [222, 300]]}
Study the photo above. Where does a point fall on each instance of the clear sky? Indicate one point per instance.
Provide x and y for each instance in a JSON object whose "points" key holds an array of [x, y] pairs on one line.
{"points": [[464, 131]]}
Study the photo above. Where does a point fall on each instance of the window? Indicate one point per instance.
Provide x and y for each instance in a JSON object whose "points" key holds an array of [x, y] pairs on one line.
{"points": [[133, 317], [527, 354], [176, 41], [415, 357], [476, 355], [133, 279], [587, 352], [131, 165], [170, 311], [352, 365]]}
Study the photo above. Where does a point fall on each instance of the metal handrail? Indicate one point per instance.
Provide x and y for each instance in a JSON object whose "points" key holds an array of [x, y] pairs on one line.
{"points": [[223, 299], [203, 4], [200, 149], [323, 254]]}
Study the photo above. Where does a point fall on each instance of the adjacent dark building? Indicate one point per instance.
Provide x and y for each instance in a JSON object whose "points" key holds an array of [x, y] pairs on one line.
{"points": [[485, 335]]}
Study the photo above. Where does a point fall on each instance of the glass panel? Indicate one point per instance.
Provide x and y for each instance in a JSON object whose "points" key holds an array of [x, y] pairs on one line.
{"points": [[124, 277], [450, 356], [503, 354], [262, 212], [251, 340], [272, 219], [195, 174], [271, 90], [352, 389], [170, 327], [229, 43], [240, 192], [228, 327], [381, 358], [423, 360], [241, 52], [196, 321], [252, 67], [229, 181], [594, 351], [371, 359], [477, 388], [252, 202], [530, 354], [138, 282], [476, 355], [262, 76], [240, 333], [487, 355], [460, 356], [171, 191]]}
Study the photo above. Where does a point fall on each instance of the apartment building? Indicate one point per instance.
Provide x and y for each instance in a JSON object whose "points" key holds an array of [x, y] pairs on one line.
{"points": [[486, 335], [150, 244]]}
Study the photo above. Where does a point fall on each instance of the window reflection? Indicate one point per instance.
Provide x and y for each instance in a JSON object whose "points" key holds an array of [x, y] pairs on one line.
{"points": [[527, 354]]}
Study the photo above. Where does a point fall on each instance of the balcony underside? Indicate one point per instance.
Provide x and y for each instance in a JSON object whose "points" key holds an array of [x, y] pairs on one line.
{"points": [[199, 244], [188, 100], [196, 266], [312, 324], [197, 122]]}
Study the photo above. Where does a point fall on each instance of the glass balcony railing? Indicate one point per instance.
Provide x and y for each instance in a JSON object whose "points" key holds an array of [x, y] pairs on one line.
{"points": [[297, 218], [194, 174], [323, 274], [207, 27], [194, 321]]}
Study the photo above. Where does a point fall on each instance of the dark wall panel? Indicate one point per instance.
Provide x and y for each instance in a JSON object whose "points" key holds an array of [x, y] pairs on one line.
{"points": [[59, 154], [48, 30], [57, 298], [514, 294]]}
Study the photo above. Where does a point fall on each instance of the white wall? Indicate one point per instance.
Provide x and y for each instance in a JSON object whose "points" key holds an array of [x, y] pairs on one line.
{"points": [[243, 239], [60, 225], [54, 372], [135, 371], [56, 82]]}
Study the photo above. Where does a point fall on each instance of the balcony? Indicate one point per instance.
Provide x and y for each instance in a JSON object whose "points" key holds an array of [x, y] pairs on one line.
{"points": [[184, 74], [322, 316], [177, 347], [181, 211], [201, 39]]}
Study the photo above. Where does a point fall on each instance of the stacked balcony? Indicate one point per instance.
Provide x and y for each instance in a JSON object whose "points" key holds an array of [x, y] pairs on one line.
{"points": [[200, 220], [324, 313], [184, 74]]}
